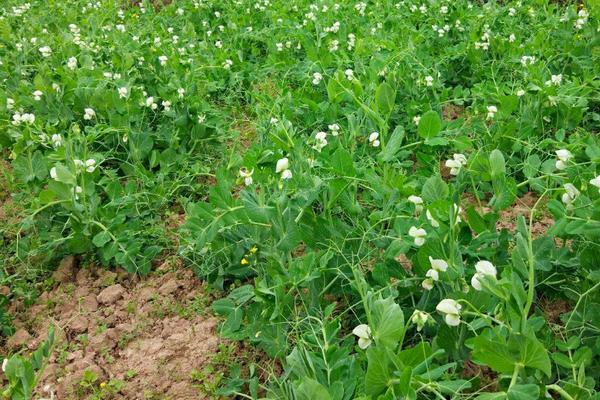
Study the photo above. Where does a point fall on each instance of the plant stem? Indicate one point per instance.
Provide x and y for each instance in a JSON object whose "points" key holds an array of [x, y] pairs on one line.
{"points": [[560, 391]]}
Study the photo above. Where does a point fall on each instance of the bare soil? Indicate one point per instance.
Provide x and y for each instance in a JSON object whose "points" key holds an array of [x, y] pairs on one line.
{"points": [[136, 338], [521, 207]]}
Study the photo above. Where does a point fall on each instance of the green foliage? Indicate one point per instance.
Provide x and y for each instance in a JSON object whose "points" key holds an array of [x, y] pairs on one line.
{"points": [[23, 372], [387, 192]]}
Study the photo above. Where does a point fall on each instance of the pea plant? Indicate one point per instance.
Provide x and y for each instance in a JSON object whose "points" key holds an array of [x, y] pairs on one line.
{"points": [[400, 199]]}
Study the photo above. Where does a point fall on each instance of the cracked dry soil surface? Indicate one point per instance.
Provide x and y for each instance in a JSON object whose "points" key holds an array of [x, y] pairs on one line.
{"points": [[147, 334]]}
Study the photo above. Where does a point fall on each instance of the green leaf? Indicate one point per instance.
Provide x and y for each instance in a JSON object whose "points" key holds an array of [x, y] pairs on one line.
{"points": [[64, 175], [437, 141], [524, 392], [378, 371], [434, 189], [30, 166], [310, 389], [234, 314], [505, 193], [393, 145], [385, 97], [341, 162], [388, 319], [335, 90], [491, 396], [532, 166], [493, 353], [476, 221], [497, 164], [503, 356], [101, 239], [430, 124]]}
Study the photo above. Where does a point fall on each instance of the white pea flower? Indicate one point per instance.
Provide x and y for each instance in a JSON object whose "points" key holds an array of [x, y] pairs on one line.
{"points": [[483, 268], [151, 103], [374, 139], [335, 129], [419, 318], [429, 80], [512, 12], [247, 175], [520, 93], [364, 335], [417, 201], [17, 118], [53, 173], [491, 111], [349, 74], [555, 80], [418, 234], [227, 64], [438, 264], [581, 20], [72, 63], [351, 41], [123, 92], [57, 140], [181, 92], [417, 119], [334, 45], [527, 60], [317, 77], [456, 163], [282, 165], [37, 95], [571, 193], [563, 156], [451, 310], [89, 114], [201, 118], [90, 165], [320, 141], [10, 103], [596, 182], [45, 51], [28, 118], [433, 274], [427, 284], [163, 60], [166, 105]]}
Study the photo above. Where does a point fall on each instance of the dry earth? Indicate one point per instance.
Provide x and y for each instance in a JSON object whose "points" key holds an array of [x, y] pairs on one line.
{"points": [[138, 339]]}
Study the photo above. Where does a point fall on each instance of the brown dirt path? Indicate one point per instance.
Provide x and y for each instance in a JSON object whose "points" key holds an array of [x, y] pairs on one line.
{"points": [[119, 337]]}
